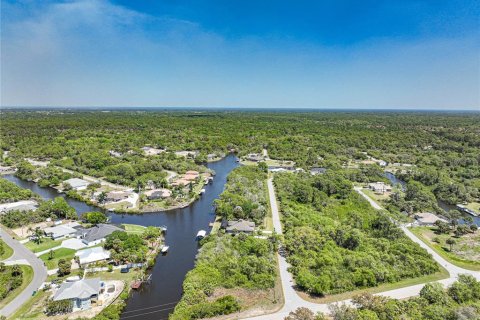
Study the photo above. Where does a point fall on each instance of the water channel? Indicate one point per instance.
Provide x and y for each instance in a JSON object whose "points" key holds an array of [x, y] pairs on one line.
{"points": [[445, 206], [157, 300]]}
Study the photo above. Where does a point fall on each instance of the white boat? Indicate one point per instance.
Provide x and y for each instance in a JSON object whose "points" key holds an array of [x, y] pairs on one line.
{"points": [[202, 191], [201, 234], [165, 249]]}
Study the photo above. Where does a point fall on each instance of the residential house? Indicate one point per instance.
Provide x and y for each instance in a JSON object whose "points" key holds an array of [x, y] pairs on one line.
{"points": [[238, 226], [158, 194], [149, 151], [92, 255], [114, 196], [24, 205], [380, 187], [97, 234], [63, 230], [255, 157], [427, 218], [187, 154], [81, 293], [77, 184]]}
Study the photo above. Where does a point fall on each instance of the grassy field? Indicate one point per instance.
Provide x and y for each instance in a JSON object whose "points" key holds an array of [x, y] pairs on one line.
{"points": [[62, 253], [47, 243], [475, 206], [442, 274], [133, 228], [420, 232], [7, 251], [27, 278]]}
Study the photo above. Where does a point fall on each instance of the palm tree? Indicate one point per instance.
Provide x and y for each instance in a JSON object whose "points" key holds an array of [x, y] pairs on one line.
{"points": [[451, 242]]}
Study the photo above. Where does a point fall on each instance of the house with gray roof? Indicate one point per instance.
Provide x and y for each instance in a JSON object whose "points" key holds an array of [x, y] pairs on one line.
{"points": [[77, 184], [24, 205], [97, 234], [238, 226], [81, 293]]}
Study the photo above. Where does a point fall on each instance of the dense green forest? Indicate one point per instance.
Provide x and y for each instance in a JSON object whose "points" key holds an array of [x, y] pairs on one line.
{"points": [[442, 147], [244, 196], [461, 301], [10, 192], [337, 242]]}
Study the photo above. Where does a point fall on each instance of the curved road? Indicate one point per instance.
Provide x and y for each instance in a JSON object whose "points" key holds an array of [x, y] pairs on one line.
{"points": [[294, 301], [22, 255]]}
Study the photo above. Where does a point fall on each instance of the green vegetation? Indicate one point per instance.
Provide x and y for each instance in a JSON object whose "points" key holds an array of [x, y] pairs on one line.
{"points": [[230, 270], [134, 228], [126, 247], [464, 254], [52, 258], [460, 301], [244, 196], [13, 280], [10, 192], [44, 244], [5, 251], [94, 217], [226, 262], [57, 208], [337, 242]]}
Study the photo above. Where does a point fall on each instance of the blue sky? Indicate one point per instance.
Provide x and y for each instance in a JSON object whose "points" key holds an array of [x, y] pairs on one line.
{"points": [[306, 54]]}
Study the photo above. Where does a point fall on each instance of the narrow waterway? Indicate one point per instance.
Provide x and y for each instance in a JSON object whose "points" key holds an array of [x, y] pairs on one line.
{"points": [[445, 206], [157, 300]]}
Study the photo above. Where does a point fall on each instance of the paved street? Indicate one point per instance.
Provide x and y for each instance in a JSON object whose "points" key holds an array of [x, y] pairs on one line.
{"points": [[24, 256], [294, 301]]}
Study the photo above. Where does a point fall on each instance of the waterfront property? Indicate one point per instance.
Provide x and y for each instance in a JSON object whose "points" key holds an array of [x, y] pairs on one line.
{"points": [[77, 184], [115, 196], [427, 218], [97, 234], [81, 293], [158, 194], [238, 226]]}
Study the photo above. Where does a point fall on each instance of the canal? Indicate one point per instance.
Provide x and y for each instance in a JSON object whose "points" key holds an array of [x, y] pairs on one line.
{"points": [[157, 300], [445, 206]]}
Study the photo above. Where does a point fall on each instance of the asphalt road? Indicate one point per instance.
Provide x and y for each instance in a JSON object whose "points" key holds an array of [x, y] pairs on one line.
{"points": [[22, 255], [294, 301]]}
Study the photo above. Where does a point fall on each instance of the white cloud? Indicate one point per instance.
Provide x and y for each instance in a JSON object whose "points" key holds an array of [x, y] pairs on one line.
{"points": [[93, 52]]}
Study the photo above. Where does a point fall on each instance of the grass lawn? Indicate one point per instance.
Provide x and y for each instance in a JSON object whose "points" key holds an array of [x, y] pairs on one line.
{"points": [[442, 274], [449, 256], [216, 225], [47, 243], [62, 253], [33, 308], [27, 278], [475, 206], [133, 228], [7, 251], [114, 275]]}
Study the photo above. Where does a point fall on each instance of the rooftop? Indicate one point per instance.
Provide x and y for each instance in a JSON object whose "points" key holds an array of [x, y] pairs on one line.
{"points": [[82, 289]]}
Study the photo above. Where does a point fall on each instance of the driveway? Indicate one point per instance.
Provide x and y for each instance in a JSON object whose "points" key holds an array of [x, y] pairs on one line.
{"points": [[22, 254], [294, 301]]}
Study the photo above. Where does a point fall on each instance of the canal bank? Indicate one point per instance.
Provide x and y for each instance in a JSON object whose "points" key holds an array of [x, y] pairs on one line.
{"points": [[157, 300], [444, 206]]}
